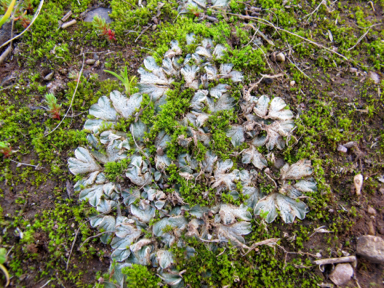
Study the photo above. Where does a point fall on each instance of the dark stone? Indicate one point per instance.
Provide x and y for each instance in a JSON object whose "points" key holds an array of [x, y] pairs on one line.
{"points": [[371, 248], [5, 32], [279, 162], [101, 12]]}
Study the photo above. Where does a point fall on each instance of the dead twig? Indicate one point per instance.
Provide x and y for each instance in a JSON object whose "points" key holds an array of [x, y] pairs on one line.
{"points": [[73, 244], [362, 37], [317, 8], [255, 85], [348, 259], [73, 97], [270, 242], [301, 71], [320, 230], [46, 284], [297, 253], [5, 55], [94, 236], [142, 32], [25, 164], [254, 18]]}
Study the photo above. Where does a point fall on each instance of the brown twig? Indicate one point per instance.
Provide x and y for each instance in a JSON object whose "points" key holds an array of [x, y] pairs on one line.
{"points": [[286, 31], [361, 38], [301, 71], [94, 236], [270, 242], [25, 164], [73, 244], [255, 85], [142, 32], [317, 8], [348, 259]]}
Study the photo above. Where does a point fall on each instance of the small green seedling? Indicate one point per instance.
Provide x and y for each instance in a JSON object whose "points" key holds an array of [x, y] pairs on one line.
{"points": [[5, 149], [3, 259], [194, 10], [103, 28], [264, 214], [8, 13], [124, 78], [53, 107]]}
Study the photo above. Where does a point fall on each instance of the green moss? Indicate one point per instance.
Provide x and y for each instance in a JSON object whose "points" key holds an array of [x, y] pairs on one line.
{"points": [[227, 266], [139, 276], [114, 171]]}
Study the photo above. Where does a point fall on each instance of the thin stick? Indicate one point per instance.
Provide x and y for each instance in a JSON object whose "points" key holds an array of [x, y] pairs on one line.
{"points": [[142, 32], [25, 164], [5, 55], [73, 97], [26, 29], [347, 259], [254, 34], [77, 114], [94, 236], [314, 11], [286, 31], [255, 85], [73, 244], [256, 31], [361, 38], [46, 284], [270, 242], [302, 72]]}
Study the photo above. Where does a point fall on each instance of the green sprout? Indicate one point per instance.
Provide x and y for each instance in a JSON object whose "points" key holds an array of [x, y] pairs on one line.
{"points": [[264, 214], [103, 28], [194, 10], [5, 149], [3, 259], [53, 107], [8, 13], [128, 83]]}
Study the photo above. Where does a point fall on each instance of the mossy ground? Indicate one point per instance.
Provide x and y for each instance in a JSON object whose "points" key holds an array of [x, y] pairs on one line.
{"points": [[40, 216]]}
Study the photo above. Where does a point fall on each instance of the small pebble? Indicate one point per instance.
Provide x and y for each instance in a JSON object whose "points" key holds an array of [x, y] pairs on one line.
{"points": [[372, 210], [342, 149], [90, 61], [350, 144], [371, 228], [341, 274], [374, 77], [358, 181], [97, 64], [49, 76], [292, 83], [70, 23], [279, 162], [280, 57], [103, 13]]}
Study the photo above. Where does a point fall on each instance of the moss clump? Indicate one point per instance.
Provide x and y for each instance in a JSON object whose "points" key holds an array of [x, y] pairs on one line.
{"points": [[139, 276]]}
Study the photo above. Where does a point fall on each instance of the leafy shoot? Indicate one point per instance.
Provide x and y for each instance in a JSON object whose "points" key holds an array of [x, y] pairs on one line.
{"points": [[53, 107], [103, 28], [6, 150], [129, 83]]}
